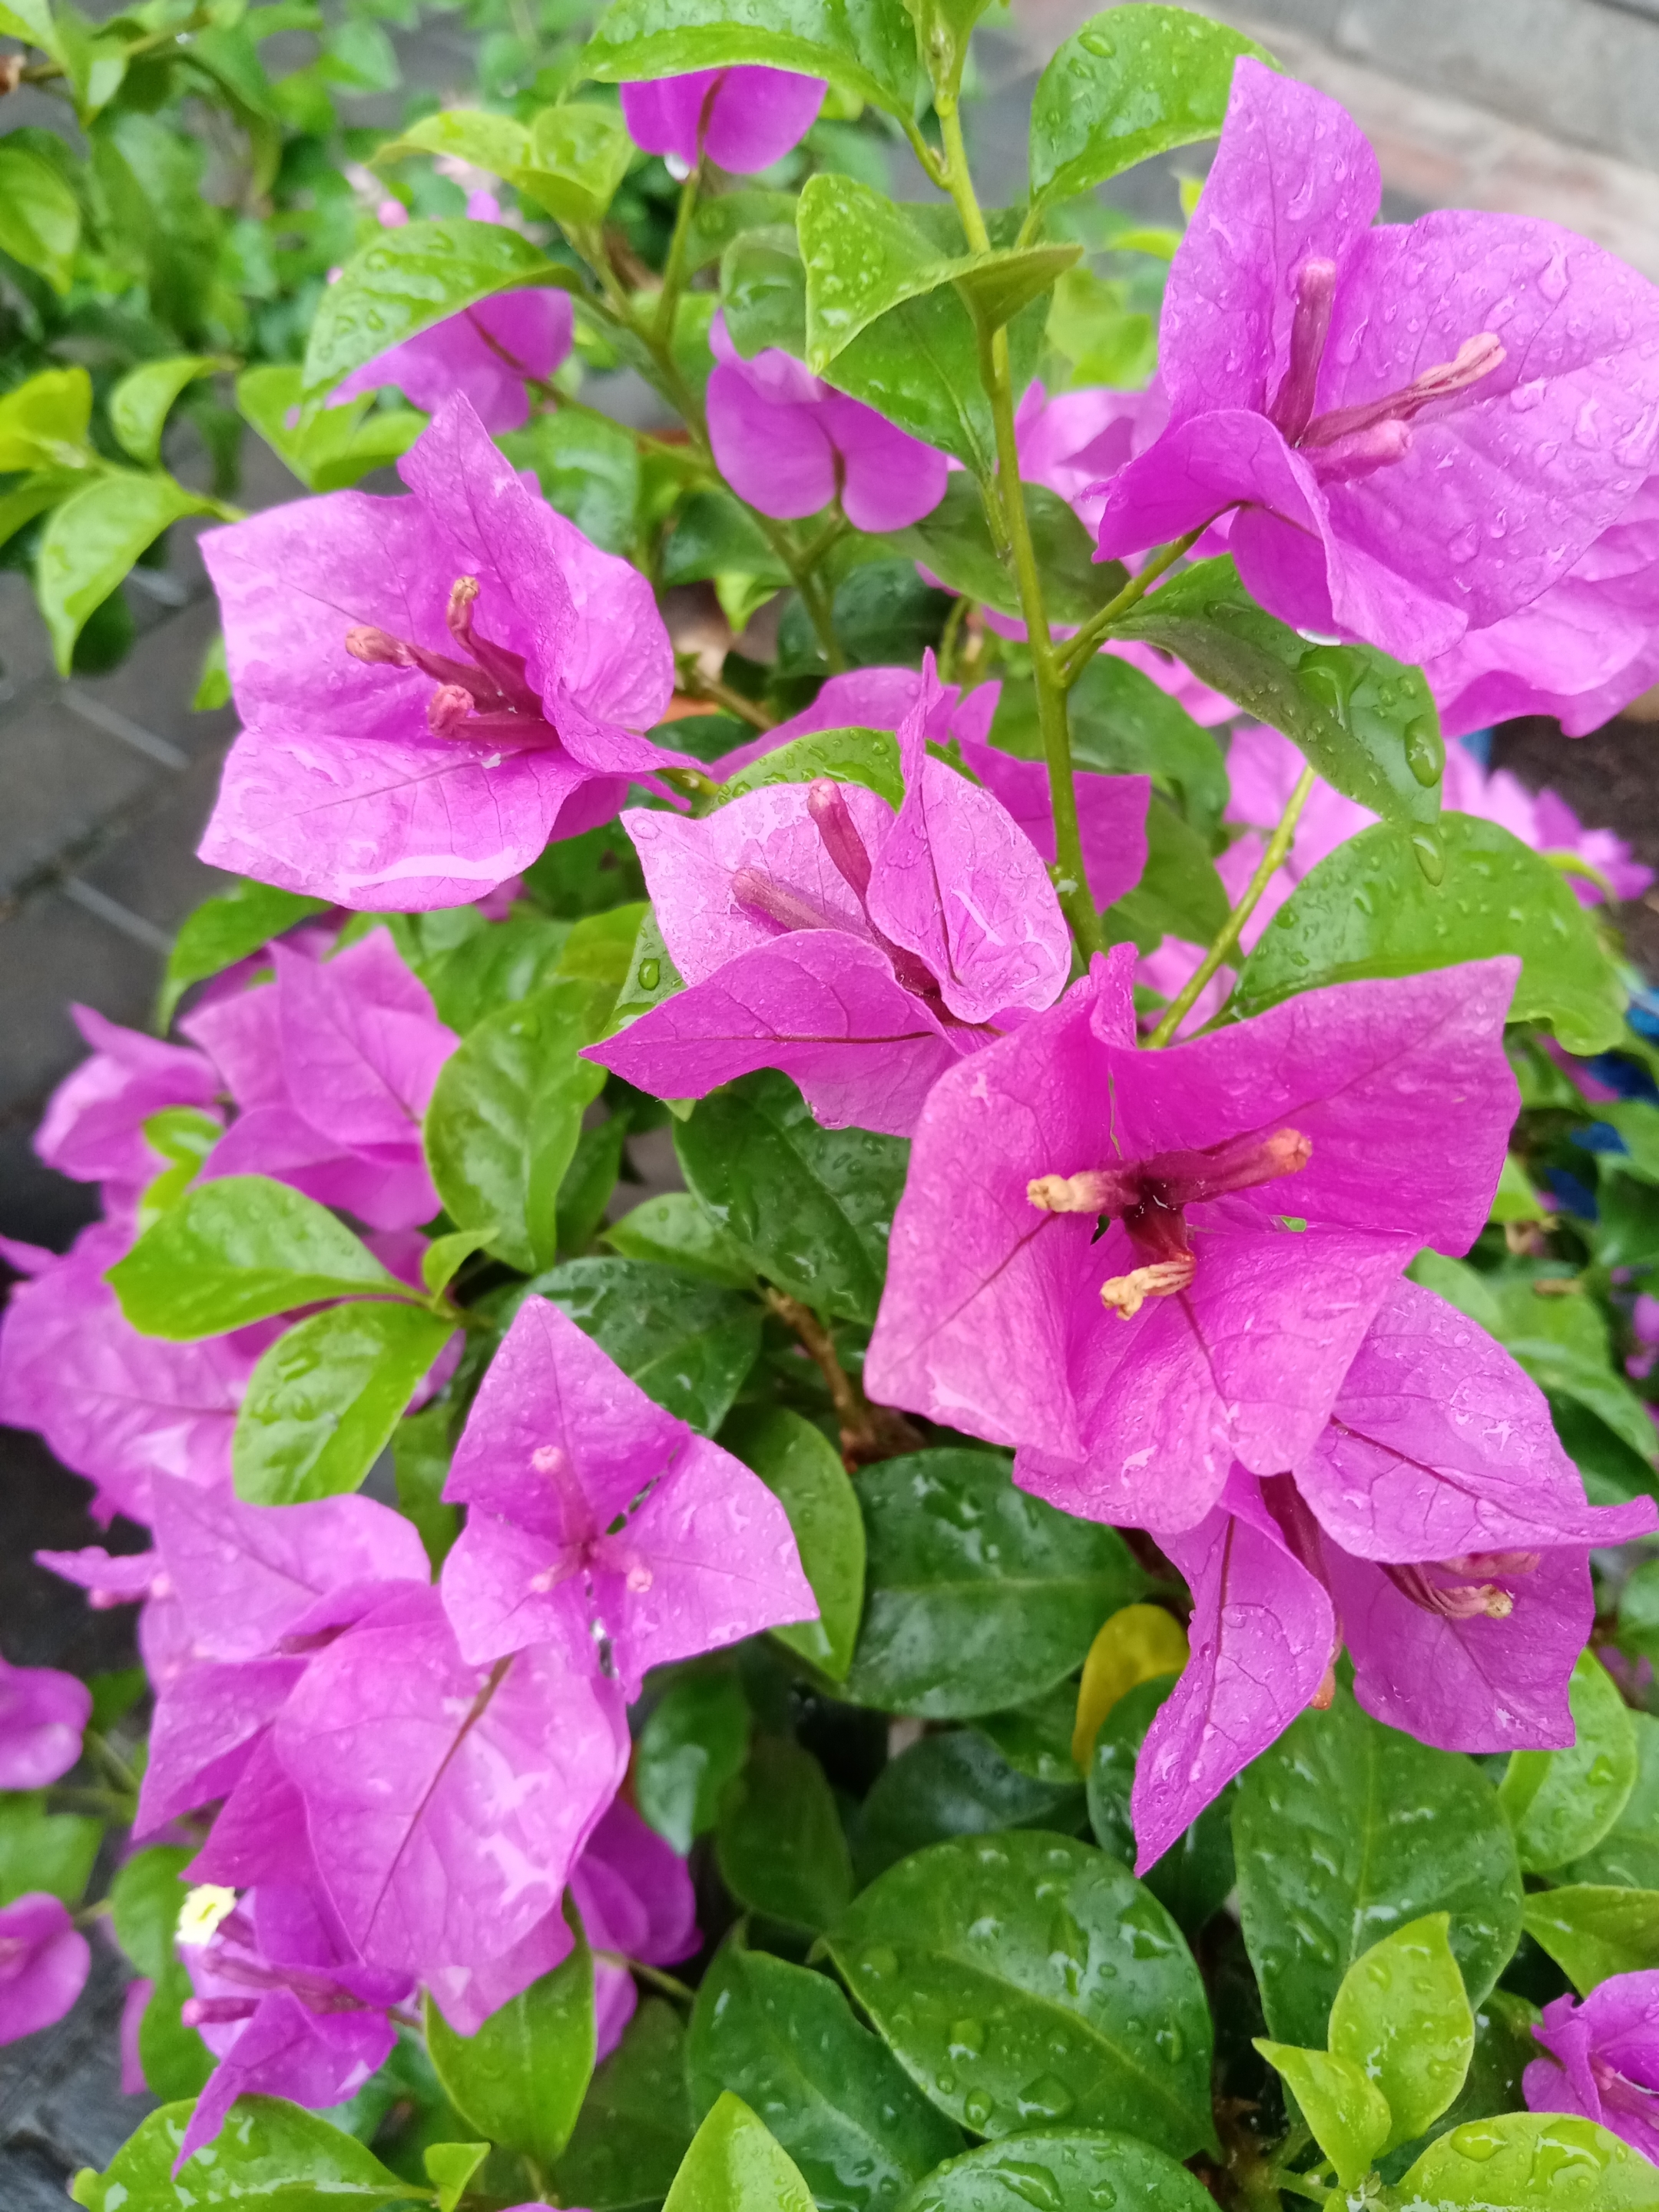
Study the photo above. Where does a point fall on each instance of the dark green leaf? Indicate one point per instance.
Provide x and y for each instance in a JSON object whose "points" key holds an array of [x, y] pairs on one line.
{"points": [[785, 2040], [1195, 1875], [866, 757], [39, 216], [420, 1458], [1131, 83], [675, 1230], [1561, 1803], [1345, 1831], [978, 1593], [1024, 1979], [695, 1741], [93, 539], [1123, 725], [587, 468], [954, 1784], [763, 290], [1593, 1930], [48, 1851], [1035, 1738], [803, 1470], [473, 966], [225, 930], [238, 1251], [636, 2124], [954, 542], [810, 1207], [322, 1403], [1180, 893], [867, 47], [685, 1343], [139, 405], [714, 535], [778, 1840], [520, 2079], [724, 216], [145, 1897], [269, 2154], [1052, 2171], [588, 1183], [1531, 2162]]}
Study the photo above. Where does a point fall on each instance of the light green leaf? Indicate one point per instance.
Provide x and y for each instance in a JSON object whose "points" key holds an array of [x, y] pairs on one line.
{"points": [[450, 2166], [1593, 1930], [267, 2155], [867, 47], [719, 219], [578, 155], [332, 448], [1348, 2112], [520, 2079], [49, 1852], [1530, 2162], [1402, 2016], [695, 1741], [39, 215], [93, 539], [445, 1255], [1561, 1803], [139, 404], [734, 2165], [866, 757], [779, 1839], [44, 422], [804, 1471], [1629, 1852]]}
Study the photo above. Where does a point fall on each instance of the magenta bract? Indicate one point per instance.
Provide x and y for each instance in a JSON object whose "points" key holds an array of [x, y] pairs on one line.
{"points": [[43, 1713], [1604, 2059], [44, 1964], [742, 120]]}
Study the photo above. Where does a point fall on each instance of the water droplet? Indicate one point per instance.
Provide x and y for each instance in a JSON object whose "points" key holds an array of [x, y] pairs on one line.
{"points": [[967, 2038], [1430, 855], [976, 2109], [1034, 2183], [1425, 749], [1048, 2098], [947, 2085], [878, 1961], [650, 975], [1478, 2141]]}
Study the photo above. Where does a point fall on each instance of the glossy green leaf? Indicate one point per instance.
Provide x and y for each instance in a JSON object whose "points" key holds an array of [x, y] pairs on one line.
{"points": [[1359, 717], [44, 421], [867, 47], [1133, 83], [978, 1593], [1402, 2016], [404, 281], [140, 404], [1561, 1803], [694, 1742], [1505, 2047], [1348, 2113], [1346, 1830], [506, 1113], [269, 2157], [1091, 2168], [675, 1230], [473, 966], [804, 1471], [810, 1207], [635, 2123], [785, 2040], [1035, 1737], [1195, 1875], [724, 216], [331, 448], [1531, 2162], [1180, 893], [588, 1183], [686, 1344], [954, 1784], [779, 1839], [1024, 1979], [954, 542], [569, 159], [588, 468], [420, 1454], [1563, 1344], [1628, 1854], [1123, 725], [39, 215], [450, 2166], [1593, 1930], [93, 539], [49, 1852], [238, 1251], [1368, 909], [322, 1403], [714, 535], [520, 2079], [226, 929], [866, 757]]}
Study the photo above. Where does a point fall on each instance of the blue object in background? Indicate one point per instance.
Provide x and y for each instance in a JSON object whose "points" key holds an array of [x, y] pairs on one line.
{"points": [[1569, 1194], [1478, 745]]}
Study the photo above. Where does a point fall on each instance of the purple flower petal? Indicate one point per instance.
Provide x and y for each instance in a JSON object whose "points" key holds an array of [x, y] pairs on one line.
{"points": [[43, 1714], [44, 1965], [744, 119]]}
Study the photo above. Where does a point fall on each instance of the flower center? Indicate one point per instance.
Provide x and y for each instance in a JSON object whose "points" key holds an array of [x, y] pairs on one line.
{"points": [[484, 698], [1150, 1198], [1471, 1599], [1351, 441]]}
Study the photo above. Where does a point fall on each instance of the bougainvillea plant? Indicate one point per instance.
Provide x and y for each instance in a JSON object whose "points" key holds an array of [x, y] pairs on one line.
{"points": [[870, 1339]]}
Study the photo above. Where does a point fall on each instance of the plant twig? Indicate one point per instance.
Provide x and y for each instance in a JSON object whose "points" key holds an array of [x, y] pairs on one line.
{"points": [[867, 1432], [696, 685], [1083, 647]]}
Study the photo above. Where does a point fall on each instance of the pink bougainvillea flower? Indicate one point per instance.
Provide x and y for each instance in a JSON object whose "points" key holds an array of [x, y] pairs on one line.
{"points": [[1422, 428], [1132, 1368], [43, 1713], [600, 1526], [1077, 440], [1436, 1526], [114, 1405], [860, 951], [484, 354], [742, 120], [634, 1895], [331, 1066], [93, 1128], [1603, 2060], [430, 687], [44, 1963], [789, 444]]}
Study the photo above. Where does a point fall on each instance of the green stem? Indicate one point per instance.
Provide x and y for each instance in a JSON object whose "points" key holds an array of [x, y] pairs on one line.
{"points": [[1081, 650], [1071, 880], [696, 685], [103, 1754], [105, 1804], [1227, 936], [951, 636], [674, 270], [655, 1975]]}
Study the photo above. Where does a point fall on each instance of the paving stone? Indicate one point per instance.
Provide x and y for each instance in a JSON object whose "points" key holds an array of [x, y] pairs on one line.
{"points": [[155, 684], [150, 870], [52, 952], [62, 778]]}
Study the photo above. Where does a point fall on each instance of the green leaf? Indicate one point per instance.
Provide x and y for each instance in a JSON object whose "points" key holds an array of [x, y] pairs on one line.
{"points": [[1047, 2169], [446, 1255], [1123, 725], [227, 929], [635, 2123], [1531, 2162], [1367, 909], [866, 47], [93, 539], [140, 403], [1180, 893], [1359, 717], [695, 1741], [685, 1343], [588, 1183], [779, 1839], [1629, 1852], [978, 1594], [1131, 83], [404, 281], [579, 152], [1035, 1737], [1345, 1831], [675, 1230], [716, 535], [450, 2166], [1025, 1978], [506, 1113], [329, 449], [238, 1251], [954, 542], [953, 1783], [785, 2040], [652, 977], [1348, 2113], [1563, 1344], [1561, 1803], [866, 757], [1193, 1876], [735, 2165], [33, 497], [473, 966], [420, 1457], [764, 290], [1402, 2016], [269, 2154], [44, 422], [804, 1471], [810, 1207], [588, 468], [39, 215], [49, 1852], [322, 1403], [31, 22], [1094, 323], [494, 143], [724, 216], [1593, 1930], [520, 2079], [145, 1897]]}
